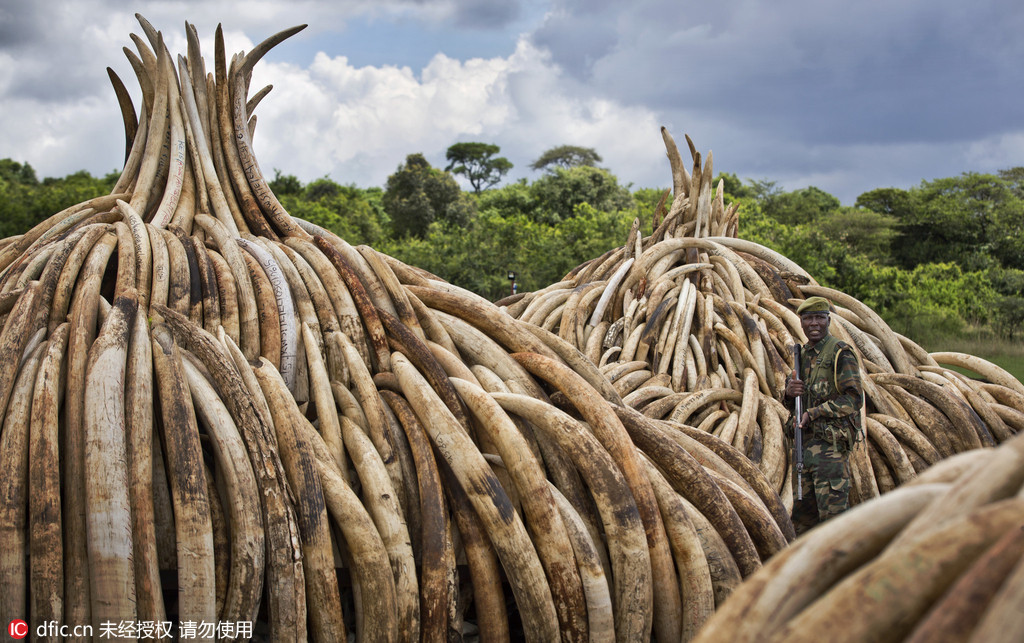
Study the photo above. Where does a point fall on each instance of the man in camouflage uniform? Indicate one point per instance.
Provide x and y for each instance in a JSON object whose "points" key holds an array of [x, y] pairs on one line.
{"points": [[833, 395]]}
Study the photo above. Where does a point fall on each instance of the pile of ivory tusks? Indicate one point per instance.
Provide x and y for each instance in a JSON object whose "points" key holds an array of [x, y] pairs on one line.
{"points": [[696, 326], [318, 437], [940, 559], [136, 440]]}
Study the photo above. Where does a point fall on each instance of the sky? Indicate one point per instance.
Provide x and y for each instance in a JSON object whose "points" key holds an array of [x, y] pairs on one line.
{"points": [[844, 96]]}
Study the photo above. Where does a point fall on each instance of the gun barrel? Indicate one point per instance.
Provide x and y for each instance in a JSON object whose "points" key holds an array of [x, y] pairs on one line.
{"points": [[798, 438]]}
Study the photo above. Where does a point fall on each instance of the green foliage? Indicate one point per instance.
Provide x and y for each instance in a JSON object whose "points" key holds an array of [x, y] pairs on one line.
{"points": [[858, 251], [418, 194], [476, 161], [26, 201], [352, 213], [1009, 316], [1008, 313], [940, 260], [15, 217], [864, 231], [479, 257], [284, 184], [804, 244], [894, 202], [645, 202], [559, 193], [930, 299], [509, 200], [592, 232], [476, 258], [321, 189], [734, 187], [764, 190], [975, 220], [1007, 281], [20, 173], [808, 205], [565, 157], [1014, 177]]}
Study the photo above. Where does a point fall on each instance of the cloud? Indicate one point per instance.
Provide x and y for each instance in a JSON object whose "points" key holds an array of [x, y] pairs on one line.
{"points": [[20, 24], [827, 91], [848, 97], [60, 112], [485, 13], [365, 120], [826, 71]]}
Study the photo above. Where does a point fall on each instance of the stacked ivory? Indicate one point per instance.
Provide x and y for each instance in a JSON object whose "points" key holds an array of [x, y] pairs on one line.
{"points": [[695, 326], [197, 384], [937, 560]]}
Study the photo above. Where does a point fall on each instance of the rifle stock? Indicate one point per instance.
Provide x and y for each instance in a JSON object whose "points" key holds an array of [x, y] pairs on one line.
{"points": [[798, 437]]}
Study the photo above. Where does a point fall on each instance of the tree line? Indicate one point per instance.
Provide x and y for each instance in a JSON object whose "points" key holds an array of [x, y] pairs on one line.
{"points": [[935, 260]]}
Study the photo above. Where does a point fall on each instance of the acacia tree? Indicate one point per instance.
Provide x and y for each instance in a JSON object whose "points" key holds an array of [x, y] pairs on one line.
{"points": [[477, 162], [565, 157]]}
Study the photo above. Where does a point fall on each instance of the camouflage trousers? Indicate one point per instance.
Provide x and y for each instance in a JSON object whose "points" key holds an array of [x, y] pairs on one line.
{"points": [[826, 485]]}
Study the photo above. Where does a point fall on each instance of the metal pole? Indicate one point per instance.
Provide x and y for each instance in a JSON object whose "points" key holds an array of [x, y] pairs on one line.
{"points": [[798, 433]]}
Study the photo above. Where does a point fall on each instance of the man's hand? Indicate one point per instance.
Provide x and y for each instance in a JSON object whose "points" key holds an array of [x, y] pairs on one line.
{"points": [[794, 387], [805, 420]]}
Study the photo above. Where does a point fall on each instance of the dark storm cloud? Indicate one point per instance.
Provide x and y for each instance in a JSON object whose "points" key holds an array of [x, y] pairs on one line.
{"points": [[473, 14], [485, 14], [20, 23], [822, 72], [579, 36]]}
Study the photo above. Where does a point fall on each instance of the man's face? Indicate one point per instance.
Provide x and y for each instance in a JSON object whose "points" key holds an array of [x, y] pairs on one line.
{"points": [[815, 326]]}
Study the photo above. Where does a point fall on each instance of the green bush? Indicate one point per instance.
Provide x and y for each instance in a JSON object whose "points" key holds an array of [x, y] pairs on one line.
{"points": [[479, 257], [1009, 316], [352, 213]]}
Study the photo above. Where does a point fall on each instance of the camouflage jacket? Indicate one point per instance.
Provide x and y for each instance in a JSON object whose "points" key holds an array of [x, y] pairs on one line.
{"points": [[833, 391]]}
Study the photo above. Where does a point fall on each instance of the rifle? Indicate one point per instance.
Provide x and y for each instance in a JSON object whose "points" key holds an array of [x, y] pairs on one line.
{"points": [[798, 433]]}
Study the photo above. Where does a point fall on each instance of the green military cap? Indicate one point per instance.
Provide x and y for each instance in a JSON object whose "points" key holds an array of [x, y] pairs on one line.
{"points": [[814, 305]]}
